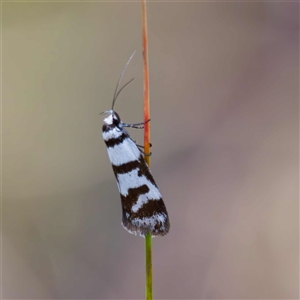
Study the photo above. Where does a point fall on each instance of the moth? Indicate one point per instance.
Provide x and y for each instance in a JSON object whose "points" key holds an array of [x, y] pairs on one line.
{"points": [[143, 209]]}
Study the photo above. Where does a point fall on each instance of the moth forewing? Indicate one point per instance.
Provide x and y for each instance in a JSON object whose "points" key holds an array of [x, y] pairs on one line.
{"points": [[143, 210]]}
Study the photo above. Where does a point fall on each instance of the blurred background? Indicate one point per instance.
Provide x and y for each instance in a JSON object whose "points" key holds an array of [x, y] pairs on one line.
{"points": [[224, 87]]}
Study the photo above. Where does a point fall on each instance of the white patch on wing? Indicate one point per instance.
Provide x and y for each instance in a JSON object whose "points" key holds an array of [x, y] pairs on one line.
{"points": [[123, 153], [150, 222], [132, 180], [112, 134], [141, 200]]}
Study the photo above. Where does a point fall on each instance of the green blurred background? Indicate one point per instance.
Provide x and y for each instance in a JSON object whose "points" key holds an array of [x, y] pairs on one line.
{"points": [[224, 87]]}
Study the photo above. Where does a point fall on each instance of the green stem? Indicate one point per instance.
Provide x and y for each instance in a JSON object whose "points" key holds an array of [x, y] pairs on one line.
{"points": [[148, 248]]}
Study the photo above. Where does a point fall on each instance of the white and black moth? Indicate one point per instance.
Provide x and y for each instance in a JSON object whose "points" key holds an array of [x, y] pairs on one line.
{"points": [[143, 210]]}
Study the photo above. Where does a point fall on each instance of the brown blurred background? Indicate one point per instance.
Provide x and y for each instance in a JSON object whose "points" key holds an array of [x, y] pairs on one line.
{"points": [[224, 85]]}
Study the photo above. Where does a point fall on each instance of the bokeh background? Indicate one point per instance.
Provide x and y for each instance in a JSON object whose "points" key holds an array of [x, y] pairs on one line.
{"points": [[224, 86]]}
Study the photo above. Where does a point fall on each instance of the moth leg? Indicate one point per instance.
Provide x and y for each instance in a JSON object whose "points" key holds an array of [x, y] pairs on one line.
{"points": [[139, 146], [145, 153], [136, 125]]}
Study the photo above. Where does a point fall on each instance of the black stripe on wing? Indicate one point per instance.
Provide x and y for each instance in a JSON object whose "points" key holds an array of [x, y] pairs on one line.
{"points": [[116, 141], [140, 164]]}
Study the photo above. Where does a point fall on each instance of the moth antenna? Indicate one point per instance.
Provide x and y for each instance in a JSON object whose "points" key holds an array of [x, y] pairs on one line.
{"points": [[120, 90], [116, 90]]}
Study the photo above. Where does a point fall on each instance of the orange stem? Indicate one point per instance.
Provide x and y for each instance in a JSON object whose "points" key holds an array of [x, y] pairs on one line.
{"points": [[146, 84]]}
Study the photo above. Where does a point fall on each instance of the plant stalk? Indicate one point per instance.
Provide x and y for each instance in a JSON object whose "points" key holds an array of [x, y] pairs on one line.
{"points": [[148, 238]]}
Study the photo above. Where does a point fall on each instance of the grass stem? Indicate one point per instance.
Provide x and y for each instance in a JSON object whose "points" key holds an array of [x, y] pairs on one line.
{"points": [[148, 238]]}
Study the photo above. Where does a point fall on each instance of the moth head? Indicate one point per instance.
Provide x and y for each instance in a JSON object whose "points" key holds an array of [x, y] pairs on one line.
{"points": [[113, 118]]}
